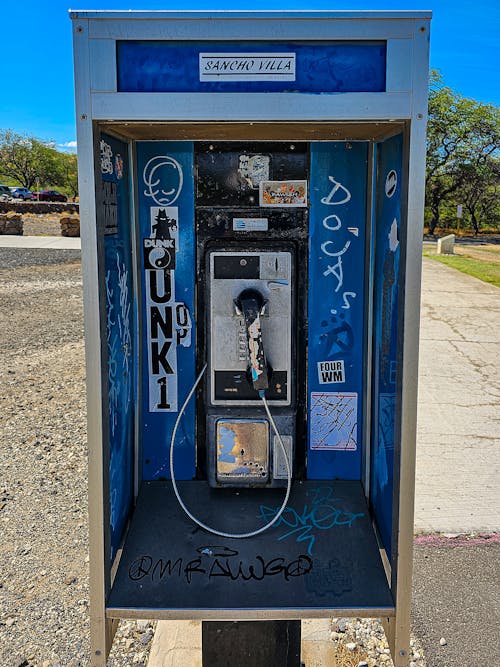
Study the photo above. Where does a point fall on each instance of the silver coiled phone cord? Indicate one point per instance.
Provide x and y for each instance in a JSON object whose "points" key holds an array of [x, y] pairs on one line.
{"points": [[221, 533]]}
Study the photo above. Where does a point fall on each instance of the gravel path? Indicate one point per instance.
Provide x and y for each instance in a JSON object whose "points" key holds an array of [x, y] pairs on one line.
{"points": [[43, 469]]}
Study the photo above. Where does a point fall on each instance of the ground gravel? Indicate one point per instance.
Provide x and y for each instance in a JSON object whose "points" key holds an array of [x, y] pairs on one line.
{"points": [[361, 642], [10, 259], [43, 469]]}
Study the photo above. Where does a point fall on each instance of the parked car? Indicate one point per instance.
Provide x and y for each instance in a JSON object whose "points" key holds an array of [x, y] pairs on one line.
{"points": [[21, 193], [5, 193], [50, 195]]}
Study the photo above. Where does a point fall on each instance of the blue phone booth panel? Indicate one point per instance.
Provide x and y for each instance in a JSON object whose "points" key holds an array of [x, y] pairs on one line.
{"points": [[113, 209]]}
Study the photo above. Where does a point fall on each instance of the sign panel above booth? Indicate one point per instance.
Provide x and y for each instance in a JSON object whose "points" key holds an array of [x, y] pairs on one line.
{"points": [[308, 67]]}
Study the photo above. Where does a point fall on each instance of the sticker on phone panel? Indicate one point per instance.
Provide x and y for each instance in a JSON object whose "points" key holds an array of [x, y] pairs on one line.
{"points": [[334, 421], [331, 372]]}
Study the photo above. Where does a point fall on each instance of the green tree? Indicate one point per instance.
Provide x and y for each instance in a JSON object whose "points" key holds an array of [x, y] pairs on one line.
{"points": [[462, 136], [68, 173], [27, 160], [479, 192]]}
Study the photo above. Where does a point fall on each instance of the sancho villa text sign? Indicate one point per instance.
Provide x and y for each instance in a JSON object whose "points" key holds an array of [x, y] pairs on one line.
{"points": [[247, 66]]}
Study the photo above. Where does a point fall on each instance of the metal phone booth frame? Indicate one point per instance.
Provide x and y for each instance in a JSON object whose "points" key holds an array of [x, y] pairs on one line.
{"points": [[349, 90]]}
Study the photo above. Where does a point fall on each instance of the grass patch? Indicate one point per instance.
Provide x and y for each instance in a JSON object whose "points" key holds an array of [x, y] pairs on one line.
{"points": [[488, 272]]}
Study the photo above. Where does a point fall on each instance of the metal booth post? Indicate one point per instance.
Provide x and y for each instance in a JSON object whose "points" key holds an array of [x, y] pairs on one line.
{"points": [[252, 189]]}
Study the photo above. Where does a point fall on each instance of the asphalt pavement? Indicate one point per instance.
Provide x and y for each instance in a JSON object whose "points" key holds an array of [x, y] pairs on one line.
{"points": [[456, 600]]}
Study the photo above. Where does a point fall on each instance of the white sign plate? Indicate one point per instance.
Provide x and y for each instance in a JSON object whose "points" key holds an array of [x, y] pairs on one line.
{"points": [[247, 67], [250, 224]]}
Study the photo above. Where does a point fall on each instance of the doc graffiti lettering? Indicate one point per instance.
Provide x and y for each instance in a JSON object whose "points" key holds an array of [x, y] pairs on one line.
{"points": [[338, 196], [168, 322]]}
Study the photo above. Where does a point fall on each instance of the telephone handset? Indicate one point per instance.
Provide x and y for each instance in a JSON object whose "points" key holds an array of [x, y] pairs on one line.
{"points": [[250, 342], [251, 306]]}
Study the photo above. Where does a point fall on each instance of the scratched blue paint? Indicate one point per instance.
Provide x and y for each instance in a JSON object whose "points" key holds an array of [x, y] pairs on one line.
{"points": [[336, 294], [322, 513], [120, 312], [385, 332], [321, 67], [156, 427]]}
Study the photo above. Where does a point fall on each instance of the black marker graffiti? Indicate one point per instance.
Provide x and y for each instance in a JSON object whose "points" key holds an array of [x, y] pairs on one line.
{"points": [[109, 207], [217, 562]]}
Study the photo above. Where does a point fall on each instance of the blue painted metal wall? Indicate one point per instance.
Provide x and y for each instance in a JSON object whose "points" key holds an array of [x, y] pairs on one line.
{"points": [[336, 309], [114, 221], [321, 67], [167, 273], [385, 332]]}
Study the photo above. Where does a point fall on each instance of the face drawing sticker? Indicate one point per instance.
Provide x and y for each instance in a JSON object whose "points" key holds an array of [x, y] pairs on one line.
{"points": [[163, 179]]}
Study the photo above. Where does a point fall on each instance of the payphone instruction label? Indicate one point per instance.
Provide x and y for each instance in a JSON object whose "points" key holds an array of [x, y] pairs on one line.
{"points": [[250, 224], [334, 421]]}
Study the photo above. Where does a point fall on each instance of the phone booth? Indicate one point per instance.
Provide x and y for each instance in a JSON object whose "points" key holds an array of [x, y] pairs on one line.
{"points": [[252, 188]]}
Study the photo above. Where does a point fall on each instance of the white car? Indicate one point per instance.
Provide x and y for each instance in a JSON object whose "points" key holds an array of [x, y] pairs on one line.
{"points": [[5, 193]]}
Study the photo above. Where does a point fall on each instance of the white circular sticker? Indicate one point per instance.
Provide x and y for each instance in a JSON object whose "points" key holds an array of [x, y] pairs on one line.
{"points": [[391, 181]]}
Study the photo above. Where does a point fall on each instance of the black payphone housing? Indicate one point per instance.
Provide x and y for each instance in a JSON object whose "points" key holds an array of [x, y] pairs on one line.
{"points": [[244, 248]]}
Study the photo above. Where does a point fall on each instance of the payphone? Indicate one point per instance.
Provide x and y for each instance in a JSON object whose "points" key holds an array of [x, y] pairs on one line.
{"points": [[251, 193], [251, 225], [250, 332]]}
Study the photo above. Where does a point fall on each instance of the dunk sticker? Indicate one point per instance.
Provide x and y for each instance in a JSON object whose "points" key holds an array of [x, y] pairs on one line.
{"points": [[168, 322]]}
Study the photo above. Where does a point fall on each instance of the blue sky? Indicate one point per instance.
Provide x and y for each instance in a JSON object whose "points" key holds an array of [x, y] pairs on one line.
{"points": [[36, 93]]}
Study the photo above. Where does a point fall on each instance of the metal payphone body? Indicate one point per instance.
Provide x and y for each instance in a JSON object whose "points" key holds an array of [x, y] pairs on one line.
{"points": [[243, 451], [244, 246], [251, 192]]}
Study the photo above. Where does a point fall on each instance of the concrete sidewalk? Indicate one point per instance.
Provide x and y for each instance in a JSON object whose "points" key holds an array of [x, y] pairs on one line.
{"points": [[52, 242], [458, 442], [458, 436]]}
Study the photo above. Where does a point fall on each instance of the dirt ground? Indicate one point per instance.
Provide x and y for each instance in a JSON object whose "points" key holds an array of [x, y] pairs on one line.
{"points": [[486, 253], [40, 225]]}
